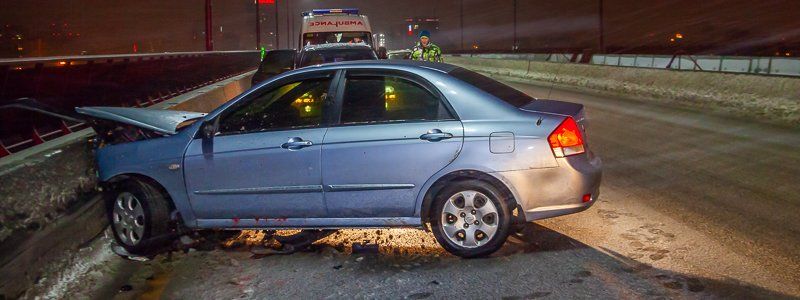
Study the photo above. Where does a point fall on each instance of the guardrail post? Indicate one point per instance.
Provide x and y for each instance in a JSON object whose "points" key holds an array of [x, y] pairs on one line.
{"points": [[65, 128], [528, 72], [769, 66], [671, 60], [3, 150], [36, 137]]}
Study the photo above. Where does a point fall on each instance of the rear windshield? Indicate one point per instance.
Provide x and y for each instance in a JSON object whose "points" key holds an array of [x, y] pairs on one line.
{"points": [[335, 55], [493, 87]]}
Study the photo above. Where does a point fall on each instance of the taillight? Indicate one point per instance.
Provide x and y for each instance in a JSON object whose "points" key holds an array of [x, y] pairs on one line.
{"points": [[566, 140]]}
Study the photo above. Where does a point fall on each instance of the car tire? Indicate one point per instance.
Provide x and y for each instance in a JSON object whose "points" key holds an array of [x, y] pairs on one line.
{"points": [[138, 214], [466, 230]]}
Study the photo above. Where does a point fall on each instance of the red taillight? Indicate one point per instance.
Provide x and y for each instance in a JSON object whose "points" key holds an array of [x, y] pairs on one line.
{"points": [[566, 140]]}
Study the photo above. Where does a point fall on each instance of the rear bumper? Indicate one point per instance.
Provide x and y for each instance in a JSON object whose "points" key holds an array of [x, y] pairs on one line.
{"points": [[551, 192]]}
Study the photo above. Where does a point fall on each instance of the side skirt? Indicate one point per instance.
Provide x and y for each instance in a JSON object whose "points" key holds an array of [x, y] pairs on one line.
{"points": [[307, 223]]}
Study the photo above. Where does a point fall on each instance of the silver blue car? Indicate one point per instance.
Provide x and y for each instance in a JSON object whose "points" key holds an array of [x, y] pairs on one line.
{"points": [[359, 144]]}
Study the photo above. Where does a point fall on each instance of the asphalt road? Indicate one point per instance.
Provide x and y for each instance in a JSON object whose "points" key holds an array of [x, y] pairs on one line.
{"points": [[692, 206]]}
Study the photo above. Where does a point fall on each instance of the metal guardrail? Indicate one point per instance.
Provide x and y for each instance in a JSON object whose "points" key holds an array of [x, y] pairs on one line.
{"points": [[760, 65], [62, 83]]}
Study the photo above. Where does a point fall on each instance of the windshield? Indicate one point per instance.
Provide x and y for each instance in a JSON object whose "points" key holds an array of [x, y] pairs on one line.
{"points": [[317, 38], [335, 55], [493, 87]]}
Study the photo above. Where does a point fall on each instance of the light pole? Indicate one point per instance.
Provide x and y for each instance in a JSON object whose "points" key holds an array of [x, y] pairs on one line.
{"points": [[514, 46], [258, 26], [288, 25], [461, 20], [601, 29], [209, 31]]}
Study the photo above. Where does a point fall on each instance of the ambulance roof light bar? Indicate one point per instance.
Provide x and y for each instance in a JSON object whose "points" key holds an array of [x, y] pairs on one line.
{"points": [[330, 11]]}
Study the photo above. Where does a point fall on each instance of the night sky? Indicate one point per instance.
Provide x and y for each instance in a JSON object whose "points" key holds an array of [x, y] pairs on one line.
{"points": [[102, 27]]}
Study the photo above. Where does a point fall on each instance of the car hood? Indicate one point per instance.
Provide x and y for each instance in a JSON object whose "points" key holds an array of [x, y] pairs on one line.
{"points": [[158, 120]]}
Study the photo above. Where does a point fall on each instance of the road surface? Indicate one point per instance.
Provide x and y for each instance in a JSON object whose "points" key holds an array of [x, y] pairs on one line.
{"points": [[692, 206]]}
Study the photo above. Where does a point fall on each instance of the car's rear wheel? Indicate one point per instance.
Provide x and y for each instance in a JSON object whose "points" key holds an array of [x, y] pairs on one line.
{"points": [[139, 216], [470, 219]]}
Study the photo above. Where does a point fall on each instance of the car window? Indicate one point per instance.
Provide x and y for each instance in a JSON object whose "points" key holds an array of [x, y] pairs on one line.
{"points": [[276, 62], [370, 99], [293, 105], [493, 87], [335, 55]]}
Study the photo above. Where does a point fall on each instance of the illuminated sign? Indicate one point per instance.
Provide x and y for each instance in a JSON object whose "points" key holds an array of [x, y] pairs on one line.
{"points": [[336, 23]]}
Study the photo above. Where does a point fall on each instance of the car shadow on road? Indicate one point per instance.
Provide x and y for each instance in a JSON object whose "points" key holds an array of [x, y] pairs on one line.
{"points": [[536, 240]]}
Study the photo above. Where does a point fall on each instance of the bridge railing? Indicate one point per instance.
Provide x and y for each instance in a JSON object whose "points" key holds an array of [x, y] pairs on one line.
{"points": [[760, 65], [62, 83]]}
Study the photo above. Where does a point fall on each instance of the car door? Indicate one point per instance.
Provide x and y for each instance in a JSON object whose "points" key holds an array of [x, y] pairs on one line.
{"points": [[264, 160], [394, 132]]}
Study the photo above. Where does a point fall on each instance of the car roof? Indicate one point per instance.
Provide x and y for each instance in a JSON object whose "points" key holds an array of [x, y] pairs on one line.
{"points": [[336, 46]]}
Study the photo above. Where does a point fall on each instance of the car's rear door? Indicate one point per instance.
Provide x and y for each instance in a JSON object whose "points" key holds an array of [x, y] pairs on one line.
{"points": [[264, 162], [394, 132]]}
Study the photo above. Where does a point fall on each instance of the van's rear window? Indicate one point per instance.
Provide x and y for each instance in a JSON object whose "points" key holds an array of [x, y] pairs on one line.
{"points": [[493, 87]]}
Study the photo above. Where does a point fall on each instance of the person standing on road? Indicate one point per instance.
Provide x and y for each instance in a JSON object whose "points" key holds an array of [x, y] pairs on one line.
{"points": [[425, 50]]}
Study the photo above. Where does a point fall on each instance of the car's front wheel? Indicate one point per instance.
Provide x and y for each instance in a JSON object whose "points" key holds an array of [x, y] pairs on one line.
{"points": [[470, 218], [139, 216]]}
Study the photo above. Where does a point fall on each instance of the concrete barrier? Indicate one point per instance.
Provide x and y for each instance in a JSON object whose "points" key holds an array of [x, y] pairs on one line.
{"points": [[48, 203], [763, 98]]}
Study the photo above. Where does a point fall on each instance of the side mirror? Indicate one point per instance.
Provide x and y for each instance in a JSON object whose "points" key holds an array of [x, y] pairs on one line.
{"points": [[209, 129]]}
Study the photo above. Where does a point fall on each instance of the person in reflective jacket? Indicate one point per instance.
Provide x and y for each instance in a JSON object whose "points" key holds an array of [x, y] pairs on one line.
{"points": [[425, 50]]}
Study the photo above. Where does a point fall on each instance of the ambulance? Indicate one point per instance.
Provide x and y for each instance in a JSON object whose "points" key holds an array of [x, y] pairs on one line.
{"points": [[341, 25]]}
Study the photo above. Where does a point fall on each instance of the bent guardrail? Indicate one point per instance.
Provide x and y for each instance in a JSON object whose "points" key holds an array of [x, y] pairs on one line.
{"points": [[62, 83]]}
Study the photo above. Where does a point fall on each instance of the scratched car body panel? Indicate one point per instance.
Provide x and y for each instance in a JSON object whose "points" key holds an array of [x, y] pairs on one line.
{"points": [[344, 160]]}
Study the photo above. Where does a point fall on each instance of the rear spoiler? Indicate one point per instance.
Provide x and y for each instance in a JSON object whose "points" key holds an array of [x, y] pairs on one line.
{"points": [[556, 107]]}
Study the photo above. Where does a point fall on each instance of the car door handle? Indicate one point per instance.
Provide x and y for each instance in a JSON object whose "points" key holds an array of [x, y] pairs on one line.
{"points": [[435, 135], [296, 143]]}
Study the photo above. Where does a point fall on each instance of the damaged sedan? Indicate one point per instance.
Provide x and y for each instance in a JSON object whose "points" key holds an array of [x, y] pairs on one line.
{"points": [[359, 144]]}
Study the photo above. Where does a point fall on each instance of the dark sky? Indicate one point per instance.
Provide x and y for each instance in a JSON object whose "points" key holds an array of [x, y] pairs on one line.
{"points": [[113, 26]]}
